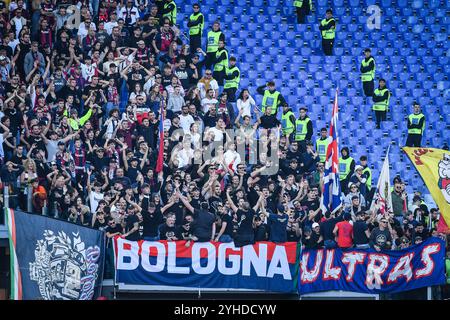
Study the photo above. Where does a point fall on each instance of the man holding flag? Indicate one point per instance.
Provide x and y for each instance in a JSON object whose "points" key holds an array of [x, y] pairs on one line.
{"points": [[331, 193]]}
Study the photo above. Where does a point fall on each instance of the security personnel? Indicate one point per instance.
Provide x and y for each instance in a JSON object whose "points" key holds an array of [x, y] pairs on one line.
{"points": [[196, 23], [287, 121], [416, 126], [302, 8], [367, 173], [232, 79], [214, 36], [271, 97], [220, 63], [346, 169], [368, 73], [381, 97], [322, 144], [303, 129], [328, 29], [170, 11]]}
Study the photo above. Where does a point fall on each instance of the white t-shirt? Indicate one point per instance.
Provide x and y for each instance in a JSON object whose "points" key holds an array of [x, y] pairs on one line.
{"points": [[87, 72], [230, 156], [218, 134], [110, 25], [185, 122], [246, 106], [206, 102], [183, 157], [83, 29], [94, 199], [212, 85]]}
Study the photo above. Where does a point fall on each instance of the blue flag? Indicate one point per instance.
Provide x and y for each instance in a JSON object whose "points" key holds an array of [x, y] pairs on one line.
{"points": [[53, 259]]}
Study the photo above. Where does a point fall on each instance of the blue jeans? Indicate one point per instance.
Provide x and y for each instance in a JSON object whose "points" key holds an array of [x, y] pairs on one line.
{"points": [[329, 244], [152, 238], [225, 238]]}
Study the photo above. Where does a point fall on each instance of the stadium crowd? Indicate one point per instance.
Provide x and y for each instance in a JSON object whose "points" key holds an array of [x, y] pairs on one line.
{"points": [[80, 134]]}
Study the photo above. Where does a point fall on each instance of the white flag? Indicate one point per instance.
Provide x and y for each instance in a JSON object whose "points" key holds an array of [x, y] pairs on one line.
{"points": [[382, 196]]}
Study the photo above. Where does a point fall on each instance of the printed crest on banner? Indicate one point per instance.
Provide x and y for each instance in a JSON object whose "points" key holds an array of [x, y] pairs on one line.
{"points": [[64, 268], [444, 177]]}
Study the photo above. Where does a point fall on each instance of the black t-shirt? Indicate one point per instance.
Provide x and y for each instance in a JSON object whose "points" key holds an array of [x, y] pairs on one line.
{"points": [[245, 222], [292, 235], [229, 221], [135, 76], [261, 233], [213, 202], [166, 232], [359, 234], [183, 232], [151, 222], [327, 227], [130, 221], [202, 224], [185, 76], [100, 225]]}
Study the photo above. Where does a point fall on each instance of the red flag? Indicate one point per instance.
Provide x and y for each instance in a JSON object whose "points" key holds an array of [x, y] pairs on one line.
{"points": [[442, 226]]}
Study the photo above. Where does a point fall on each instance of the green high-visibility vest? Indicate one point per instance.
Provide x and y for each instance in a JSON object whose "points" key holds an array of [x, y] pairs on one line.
{"points": [[213, 41], [172, 15], [330, 33], [369, 180], [369, 75], [382, 105], [415, 119], [321, 147], [344, 167], [222, 65], [301, 129], [286, 124], [298, 3], [198, 29], [233, 83], [270, 99]]}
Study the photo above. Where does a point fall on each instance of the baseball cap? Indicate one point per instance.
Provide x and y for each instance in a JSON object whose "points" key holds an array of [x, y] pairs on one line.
{"points": [[2, 58], [358, 167], [315, 224]]}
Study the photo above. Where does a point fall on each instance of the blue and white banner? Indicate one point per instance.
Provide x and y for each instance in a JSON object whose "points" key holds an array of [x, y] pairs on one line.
{"points": [[369, 271], [53, 259], [263, 266]]}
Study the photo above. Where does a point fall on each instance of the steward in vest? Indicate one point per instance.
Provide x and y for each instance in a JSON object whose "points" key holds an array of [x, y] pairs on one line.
{"points": [[287, 121], [368, 73], [220, 64], [302, 8], [416, 126], [322, 144], [303, 127], [170, 11], [271, 97], [346, 169], [196, 23], [381, 97], [232, 79], [367, 173], [213, 38], [328, 30]]}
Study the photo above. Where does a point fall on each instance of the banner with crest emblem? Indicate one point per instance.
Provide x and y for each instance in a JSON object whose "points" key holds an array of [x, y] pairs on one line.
{"points": [[53, 259], [434, 168]]}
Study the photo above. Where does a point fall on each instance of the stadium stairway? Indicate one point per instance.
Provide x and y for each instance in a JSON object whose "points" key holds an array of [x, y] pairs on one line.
{"points": [[412, 51]]}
